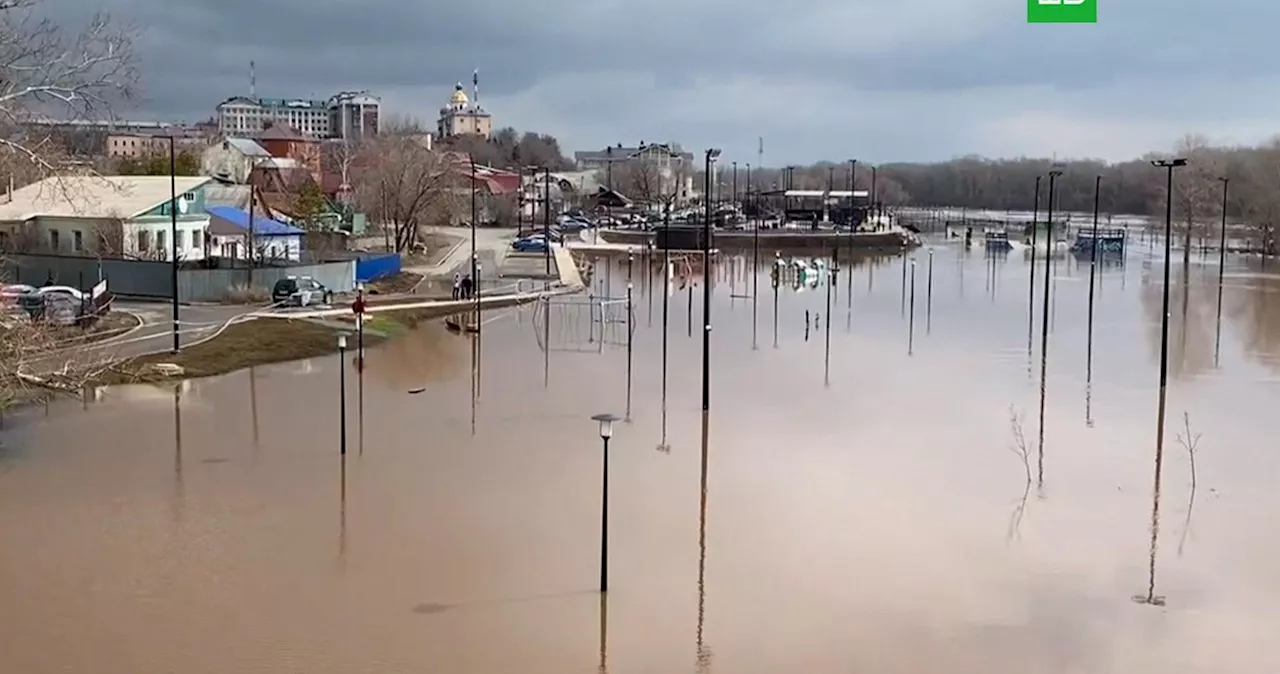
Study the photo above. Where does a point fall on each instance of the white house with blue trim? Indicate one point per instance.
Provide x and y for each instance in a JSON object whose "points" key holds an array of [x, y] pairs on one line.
{"points": [[107, 216], [229, 235]]}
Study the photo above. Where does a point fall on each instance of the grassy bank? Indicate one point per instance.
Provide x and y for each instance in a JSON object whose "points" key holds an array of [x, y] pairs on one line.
{"points": [[267, 340]]}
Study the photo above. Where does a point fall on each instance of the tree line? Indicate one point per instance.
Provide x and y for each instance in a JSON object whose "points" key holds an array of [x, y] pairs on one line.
{"points": [[1250, 176]]}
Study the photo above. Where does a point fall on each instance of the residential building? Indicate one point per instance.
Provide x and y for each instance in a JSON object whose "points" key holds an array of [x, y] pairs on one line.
{"points": [[91, 138], [107, 216], [464, 116], [278, 187], [142, 143], [674, 167], [285, 142], [230, 232], [233, 159], [353, 115], [349, 115]]}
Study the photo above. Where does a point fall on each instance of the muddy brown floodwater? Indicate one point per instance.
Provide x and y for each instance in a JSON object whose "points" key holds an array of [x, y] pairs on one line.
{"points": [[877, 524]]}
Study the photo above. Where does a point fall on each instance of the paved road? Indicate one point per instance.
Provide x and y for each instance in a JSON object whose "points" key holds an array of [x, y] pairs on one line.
{"points": [[492, 246], [155, 333]]}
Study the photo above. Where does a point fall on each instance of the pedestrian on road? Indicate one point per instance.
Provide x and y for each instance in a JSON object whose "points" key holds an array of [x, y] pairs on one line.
{"points": [[457, 286], [466, 287]]}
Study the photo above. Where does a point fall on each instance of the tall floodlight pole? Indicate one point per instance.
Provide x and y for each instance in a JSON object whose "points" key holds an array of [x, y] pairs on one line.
{"points": [[1031, 284], [546, 219], [1044, 325], [1222, 267], [1169, 165]]}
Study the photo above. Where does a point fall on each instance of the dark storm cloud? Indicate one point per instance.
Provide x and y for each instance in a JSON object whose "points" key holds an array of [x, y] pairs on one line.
{"points": [[196, 53]]}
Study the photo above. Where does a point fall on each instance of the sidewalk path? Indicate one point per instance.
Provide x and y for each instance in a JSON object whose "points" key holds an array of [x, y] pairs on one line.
{"points": [[489, 240]]}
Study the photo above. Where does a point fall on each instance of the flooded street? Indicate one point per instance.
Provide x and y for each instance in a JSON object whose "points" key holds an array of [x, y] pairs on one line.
{"points": [[884, 523]]}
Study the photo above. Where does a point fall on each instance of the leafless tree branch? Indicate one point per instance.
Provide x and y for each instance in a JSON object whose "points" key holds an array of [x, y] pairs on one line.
{"points": [[1191, 442], [1019, 449]]}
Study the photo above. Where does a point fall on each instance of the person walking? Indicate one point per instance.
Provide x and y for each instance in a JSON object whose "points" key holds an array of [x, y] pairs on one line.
{"points": [[457, 286], [466, 287]]}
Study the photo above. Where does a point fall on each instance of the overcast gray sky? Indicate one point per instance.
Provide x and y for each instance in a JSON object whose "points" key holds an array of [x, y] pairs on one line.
{"points": [[877, 80]]}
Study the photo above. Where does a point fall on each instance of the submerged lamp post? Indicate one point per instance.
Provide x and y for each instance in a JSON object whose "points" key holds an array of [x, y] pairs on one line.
{"points": [[1222, 267], [712, 155], [606, 431], [1169, 165], [342, 394]]}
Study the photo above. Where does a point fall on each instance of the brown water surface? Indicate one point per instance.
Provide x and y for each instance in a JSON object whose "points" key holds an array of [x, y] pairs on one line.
{"points": [[884, 523]]}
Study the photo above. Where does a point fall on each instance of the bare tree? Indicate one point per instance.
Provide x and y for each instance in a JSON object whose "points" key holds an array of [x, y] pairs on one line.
{"points": [[640, 179], [1258, 175], [106, 238], [48, 73], [1019, 448], [338, 158], [407, 187], [1191, 442]]}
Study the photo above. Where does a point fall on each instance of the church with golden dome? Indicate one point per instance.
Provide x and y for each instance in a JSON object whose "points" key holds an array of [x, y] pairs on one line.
{"points": [[463, 116]]}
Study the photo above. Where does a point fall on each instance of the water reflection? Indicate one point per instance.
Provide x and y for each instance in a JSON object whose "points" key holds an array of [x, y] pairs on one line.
{"points": [[864, 526], [179, 485], [702, 656]]}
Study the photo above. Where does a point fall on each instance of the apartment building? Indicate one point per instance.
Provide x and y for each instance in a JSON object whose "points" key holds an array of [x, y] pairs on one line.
{"points": [[345, 115]]}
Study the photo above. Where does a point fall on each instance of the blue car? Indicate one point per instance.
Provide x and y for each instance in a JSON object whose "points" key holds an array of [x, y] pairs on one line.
{"points": [[532, 244]]}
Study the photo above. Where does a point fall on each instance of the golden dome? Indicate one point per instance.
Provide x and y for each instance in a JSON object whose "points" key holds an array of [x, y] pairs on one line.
{"points": [[459, 96]]}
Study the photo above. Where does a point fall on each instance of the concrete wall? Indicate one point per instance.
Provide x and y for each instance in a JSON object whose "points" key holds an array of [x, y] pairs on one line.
{"points": [[213, 285], [137, 278], [153, 280]]}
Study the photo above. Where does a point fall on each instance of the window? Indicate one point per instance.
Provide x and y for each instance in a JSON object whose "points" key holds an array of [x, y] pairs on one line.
{"points": [[77, 238], [189, 196], [162, 240], [144, 241], [54, 239], [197, 239]]}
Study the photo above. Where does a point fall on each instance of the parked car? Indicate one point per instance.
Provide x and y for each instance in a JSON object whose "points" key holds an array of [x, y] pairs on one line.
{"points": [[300, 291], [573, 225], [530, 244], [10, 294]]}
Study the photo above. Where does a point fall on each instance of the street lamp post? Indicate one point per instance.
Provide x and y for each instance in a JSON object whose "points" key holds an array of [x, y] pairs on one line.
{"points": [[711, 155], [875, 203], [735, 184], [1031, 284], [1044, 321], [630, 332], [1169, 165], [1093, 273], [606, 431], [755, 259], [1222, 266], [546, 219], [173, 236]]}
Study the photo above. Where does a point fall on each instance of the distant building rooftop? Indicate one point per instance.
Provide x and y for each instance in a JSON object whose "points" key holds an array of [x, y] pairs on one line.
{"points": [[620, 153], [296, 103], [248, 147], [227, 220], [123, 197]]}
